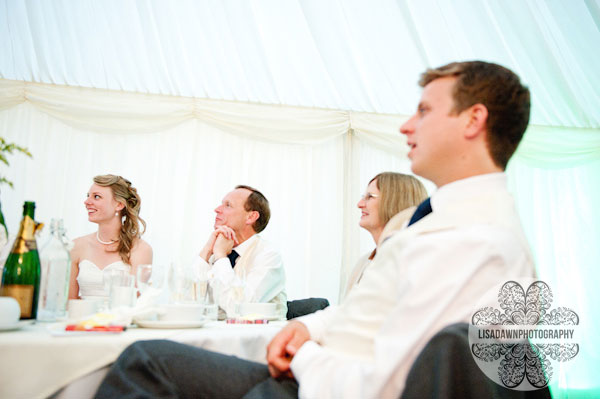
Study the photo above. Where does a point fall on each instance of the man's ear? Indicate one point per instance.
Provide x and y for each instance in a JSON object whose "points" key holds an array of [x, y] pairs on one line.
{"points": [[477, 116], [252, 217]]}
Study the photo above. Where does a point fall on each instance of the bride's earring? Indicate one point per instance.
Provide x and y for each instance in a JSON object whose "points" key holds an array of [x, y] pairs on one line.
{"points": [[116, 213]]}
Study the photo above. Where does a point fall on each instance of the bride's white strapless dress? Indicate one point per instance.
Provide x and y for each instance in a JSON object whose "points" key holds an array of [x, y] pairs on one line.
{"points": [[91, 278]]}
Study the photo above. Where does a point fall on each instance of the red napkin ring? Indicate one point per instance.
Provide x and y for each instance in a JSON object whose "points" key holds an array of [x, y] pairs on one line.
{"points": [[75, 327]]}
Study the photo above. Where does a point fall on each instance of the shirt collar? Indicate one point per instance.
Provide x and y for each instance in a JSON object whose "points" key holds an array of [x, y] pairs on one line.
{"points": [[464, 188], [243, 247]]}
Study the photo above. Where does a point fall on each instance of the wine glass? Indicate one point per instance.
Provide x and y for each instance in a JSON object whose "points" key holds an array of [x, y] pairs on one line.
{"points": [[143, 275]]}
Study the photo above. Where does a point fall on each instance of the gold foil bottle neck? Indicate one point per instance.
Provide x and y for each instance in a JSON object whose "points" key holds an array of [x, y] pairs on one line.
{"points": [[26, 238]]}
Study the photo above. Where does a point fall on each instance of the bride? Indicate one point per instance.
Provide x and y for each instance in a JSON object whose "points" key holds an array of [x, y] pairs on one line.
{"points": [[114, 205]]}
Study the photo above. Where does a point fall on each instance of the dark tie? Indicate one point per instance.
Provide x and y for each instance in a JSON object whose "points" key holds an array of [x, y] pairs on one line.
{"points": [[232, 257], [423, 210]]}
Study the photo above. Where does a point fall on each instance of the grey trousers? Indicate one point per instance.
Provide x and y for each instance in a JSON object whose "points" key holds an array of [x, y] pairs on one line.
{"points": [[166, 369]]}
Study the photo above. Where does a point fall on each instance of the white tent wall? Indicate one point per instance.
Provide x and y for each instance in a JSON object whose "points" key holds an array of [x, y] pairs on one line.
{"points": [[182, 171], [181, 175]]}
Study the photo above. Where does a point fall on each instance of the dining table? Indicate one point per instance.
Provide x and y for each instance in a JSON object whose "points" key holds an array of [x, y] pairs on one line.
{"points": [[43, 360]]}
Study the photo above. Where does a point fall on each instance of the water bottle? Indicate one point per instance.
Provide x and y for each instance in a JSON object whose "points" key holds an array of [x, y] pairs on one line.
{"points": [[56, 271]]}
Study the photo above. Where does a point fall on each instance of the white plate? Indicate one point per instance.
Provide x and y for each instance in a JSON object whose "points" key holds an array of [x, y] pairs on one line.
{"points": [[15, 326], [170, 324]]}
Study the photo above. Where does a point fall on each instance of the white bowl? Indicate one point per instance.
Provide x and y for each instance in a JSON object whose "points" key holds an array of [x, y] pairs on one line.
{"points": [[181, 312], [10, 311]]}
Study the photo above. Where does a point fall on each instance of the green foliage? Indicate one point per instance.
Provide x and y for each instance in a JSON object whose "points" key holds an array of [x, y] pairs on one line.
{"points": [[6, 149]]}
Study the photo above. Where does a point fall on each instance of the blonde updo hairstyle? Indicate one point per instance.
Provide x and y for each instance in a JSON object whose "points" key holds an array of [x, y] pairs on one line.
{"points": [[397, 192], [127, 195]]}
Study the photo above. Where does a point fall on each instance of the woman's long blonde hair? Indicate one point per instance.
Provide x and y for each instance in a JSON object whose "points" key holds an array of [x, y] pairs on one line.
{"points": [[127, 195], [398, 192]]}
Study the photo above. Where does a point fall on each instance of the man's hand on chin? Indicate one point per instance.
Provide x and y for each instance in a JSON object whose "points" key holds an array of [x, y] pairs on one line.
{"points": [[228, 233], [222, 246], [284, 346], [208, 249]]}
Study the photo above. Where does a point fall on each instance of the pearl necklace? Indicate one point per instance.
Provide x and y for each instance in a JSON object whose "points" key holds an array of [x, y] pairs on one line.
{"points": [[103, 242]]}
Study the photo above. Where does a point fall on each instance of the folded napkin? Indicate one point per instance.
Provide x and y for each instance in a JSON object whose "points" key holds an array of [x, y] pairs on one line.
{"points": [[146, 305]]}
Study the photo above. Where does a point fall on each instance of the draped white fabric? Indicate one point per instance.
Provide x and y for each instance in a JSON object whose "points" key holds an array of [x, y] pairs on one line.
{"points": [[183, 161], [338, 54], [302, 99]]}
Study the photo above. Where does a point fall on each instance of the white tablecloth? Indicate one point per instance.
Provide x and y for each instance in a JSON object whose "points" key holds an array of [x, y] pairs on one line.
{"points": [[36, 364]]}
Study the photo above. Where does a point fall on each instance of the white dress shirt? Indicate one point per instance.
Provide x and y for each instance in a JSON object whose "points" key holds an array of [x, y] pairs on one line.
{"points": [[258, 269], [425, 277]]}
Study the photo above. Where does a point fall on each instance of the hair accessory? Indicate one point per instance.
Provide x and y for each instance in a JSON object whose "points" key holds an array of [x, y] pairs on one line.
{"points": [[103, 242]]}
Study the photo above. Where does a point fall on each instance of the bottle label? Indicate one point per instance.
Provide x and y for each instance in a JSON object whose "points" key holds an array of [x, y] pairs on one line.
{"points": [[23, 246], [23, 294]]}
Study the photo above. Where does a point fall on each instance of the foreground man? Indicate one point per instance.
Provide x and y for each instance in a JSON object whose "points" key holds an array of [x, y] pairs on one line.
{"points": [[242, 266], [468, 124]]}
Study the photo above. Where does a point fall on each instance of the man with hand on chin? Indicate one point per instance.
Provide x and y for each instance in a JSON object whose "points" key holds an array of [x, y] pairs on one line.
{"points": [[242, 266]]}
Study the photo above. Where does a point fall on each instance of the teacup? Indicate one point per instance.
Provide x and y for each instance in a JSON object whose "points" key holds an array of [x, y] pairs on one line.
{"points": [[181, 312], [10, 311], [259, 309]]}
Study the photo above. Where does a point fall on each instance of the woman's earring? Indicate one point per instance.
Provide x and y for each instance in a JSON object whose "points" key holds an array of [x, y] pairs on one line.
{"points": [[117, 213]]}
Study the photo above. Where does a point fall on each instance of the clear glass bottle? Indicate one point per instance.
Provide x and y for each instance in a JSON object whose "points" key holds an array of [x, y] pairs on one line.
{"points": [[21, 274], [56, 270]]}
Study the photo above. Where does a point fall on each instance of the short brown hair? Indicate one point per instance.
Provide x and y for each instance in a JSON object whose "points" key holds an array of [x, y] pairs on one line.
{"points": [[500, 90], [256, 201], [397, 192]]}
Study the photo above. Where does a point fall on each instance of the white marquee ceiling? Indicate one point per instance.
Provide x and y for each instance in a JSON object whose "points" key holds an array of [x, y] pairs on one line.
{"points": [[339, 54]]}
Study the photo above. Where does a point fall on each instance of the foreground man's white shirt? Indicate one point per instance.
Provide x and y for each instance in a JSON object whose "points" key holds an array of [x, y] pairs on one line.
{"points": [[423, 278]]}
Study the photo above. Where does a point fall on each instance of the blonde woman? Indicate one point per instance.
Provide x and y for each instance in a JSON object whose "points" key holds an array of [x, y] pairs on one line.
{"points": [[114, 205], [388, 194]]}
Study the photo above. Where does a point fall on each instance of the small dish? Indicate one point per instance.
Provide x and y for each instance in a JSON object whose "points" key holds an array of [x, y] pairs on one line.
{"points": [[15, 326]]}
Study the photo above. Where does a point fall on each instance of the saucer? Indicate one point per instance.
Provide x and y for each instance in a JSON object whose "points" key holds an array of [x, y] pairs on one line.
{"points": [[257, 316], [170, 323], [15, 326]]}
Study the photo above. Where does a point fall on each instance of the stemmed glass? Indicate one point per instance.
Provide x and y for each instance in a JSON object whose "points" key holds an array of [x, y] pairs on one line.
{"points": [[143, 275], [182, 287]]}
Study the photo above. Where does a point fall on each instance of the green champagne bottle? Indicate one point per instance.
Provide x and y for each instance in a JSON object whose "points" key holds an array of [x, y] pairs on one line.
{"points": [[21, 276], [3, 230]]}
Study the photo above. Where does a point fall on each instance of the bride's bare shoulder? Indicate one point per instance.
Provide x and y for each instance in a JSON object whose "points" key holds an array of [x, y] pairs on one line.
{"points": [[83, 242], [141, 252]]}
